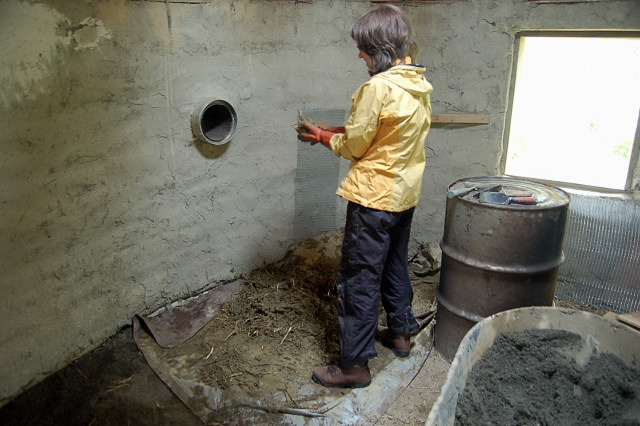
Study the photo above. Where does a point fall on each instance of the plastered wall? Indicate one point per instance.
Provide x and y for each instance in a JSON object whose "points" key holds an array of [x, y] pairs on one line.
{"points": [[109, 207]]}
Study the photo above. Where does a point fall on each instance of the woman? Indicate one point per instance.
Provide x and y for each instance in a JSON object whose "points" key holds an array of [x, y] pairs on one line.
{"points": [[384, 137]]}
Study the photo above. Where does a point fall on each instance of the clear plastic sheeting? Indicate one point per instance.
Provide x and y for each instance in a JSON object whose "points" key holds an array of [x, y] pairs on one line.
{"points": [[602, 253]]}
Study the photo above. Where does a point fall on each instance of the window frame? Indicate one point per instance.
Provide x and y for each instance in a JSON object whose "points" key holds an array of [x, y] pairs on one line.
{"points": [[633, 172]]}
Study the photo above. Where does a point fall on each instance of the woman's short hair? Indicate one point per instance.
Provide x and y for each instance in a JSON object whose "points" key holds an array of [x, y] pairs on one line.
{"points": [[385, 35]]}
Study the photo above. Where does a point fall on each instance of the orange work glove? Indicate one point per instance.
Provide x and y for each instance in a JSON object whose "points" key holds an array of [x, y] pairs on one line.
{"points": [[330, 128], [315, 134]]}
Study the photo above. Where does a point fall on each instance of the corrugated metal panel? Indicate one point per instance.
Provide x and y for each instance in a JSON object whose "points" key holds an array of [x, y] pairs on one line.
{"points": [[602, 250]]}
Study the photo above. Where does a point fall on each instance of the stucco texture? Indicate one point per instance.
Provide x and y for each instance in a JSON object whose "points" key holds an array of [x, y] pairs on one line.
{"points": [[110, 207]]}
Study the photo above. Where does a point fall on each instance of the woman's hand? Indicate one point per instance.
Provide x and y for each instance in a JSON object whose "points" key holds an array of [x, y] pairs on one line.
{"points": [[312, 134], [315, 131], [330, 129]]}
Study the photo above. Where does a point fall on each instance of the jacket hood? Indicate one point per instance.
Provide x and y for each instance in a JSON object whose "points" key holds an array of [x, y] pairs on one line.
{"points": [[409, 77]]}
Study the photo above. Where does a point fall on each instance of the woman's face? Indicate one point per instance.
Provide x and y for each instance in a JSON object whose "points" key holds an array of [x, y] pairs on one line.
{"points": [[366, 58]]}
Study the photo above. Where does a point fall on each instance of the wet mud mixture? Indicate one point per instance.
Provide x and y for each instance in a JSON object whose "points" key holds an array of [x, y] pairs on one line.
{"points": [[283, 323], [542, 377]]}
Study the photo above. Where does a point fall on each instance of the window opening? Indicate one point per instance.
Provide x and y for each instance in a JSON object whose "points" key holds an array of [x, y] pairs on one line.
{"points": [[574, 110]]}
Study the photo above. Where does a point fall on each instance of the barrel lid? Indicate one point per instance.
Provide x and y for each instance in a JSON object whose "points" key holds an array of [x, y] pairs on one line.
{"points": [[507, 192]]}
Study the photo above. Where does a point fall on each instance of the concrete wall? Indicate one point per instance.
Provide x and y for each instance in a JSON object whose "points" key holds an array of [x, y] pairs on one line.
{"points": [[109, 207]]}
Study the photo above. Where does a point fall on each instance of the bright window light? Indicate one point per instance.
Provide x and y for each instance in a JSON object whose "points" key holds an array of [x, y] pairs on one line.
{"points": [[575, 110]]}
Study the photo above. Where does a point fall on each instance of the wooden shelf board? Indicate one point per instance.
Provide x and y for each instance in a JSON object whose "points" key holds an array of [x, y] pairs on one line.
{"points": [[460, 118]]}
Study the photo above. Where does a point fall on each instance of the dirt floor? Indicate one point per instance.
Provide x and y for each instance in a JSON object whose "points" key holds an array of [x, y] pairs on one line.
{"points": [[281, 325], [114, 385]]}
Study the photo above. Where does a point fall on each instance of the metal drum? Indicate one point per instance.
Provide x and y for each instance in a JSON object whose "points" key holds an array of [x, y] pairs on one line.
{"points": [[501, 249]]}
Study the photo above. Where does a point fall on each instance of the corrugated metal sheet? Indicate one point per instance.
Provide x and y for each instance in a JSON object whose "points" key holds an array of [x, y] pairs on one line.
{"points": [[602, 250]]}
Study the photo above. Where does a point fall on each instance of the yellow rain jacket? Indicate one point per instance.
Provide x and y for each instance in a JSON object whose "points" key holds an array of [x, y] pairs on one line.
{"points": [[385, 140]]}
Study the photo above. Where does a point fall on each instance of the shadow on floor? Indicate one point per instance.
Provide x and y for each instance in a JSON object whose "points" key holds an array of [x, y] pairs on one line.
{"points": [[113, 385]]}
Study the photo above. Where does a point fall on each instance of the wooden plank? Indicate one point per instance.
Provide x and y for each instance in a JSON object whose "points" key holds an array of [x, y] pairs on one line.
{"points": [[460, 118], [632, 319], [417, 1]]}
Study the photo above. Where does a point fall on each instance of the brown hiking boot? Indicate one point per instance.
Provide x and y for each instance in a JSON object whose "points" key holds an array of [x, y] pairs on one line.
{"points": [[398, 343], [334, 376]]}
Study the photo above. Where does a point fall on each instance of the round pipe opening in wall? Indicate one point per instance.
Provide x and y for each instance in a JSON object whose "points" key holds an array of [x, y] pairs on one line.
{"points": [[214, 122]]}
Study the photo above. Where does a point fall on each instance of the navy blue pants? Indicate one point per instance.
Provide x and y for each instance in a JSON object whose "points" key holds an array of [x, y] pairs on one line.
{"points": [[374, 267]]}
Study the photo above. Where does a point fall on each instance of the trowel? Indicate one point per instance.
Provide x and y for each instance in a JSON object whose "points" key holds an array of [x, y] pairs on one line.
{"points": [[502, 198], [460, 192]]}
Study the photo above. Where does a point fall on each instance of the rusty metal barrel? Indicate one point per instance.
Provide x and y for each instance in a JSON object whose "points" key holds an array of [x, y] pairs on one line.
{"points": [[501, 249]]}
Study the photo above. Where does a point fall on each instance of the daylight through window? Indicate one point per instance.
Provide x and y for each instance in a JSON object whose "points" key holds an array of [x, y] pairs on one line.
{"points": [[575, 110]]}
